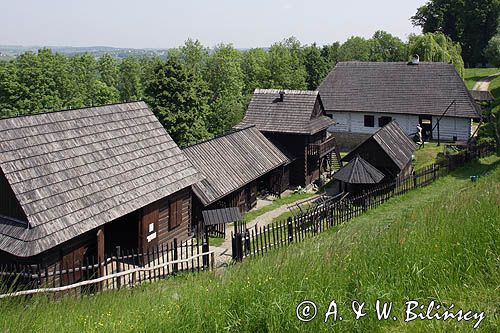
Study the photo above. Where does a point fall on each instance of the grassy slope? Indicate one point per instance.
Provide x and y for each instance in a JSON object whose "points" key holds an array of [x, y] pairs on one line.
{"points": [[473, 74], [441, 242], [427, 155], [278, 202]]}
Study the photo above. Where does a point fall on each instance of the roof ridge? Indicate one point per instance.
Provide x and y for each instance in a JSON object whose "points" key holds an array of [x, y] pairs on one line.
{"points": [[287, 91], [45, 112], [228, 133]]}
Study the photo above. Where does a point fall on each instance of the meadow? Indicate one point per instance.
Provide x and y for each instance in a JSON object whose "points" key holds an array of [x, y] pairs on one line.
{"points": [[439, 243]]}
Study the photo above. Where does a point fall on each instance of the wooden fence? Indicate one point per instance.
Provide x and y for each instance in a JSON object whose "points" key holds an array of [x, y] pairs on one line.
{"points": [[328, 214], [124, 268]]}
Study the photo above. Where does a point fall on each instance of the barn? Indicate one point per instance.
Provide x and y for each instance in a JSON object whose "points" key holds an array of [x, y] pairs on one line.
{"points": [[77, 183], [389, 150], [236, 167], [295, 121], [364, 96]]}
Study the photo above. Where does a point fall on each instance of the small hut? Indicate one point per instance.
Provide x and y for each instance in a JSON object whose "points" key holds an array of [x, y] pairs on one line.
{"points": [[358, 175]]}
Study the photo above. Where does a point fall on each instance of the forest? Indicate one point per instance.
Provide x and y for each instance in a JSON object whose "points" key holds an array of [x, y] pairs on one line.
{"points": [[196, 92]]}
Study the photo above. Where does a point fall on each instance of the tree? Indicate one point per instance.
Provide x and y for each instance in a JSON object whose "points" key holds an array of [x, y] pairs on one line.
{"points": [[9, 89], [472, 23], [386, 47], [105, 94], [130, 80], [285, 65], [436, 47], [316, 66], [492, 51], [355, 48], [179, 98], [108, 70], [225, 82], [194, 55], [83, 72], [256, 73], [330, 54]]}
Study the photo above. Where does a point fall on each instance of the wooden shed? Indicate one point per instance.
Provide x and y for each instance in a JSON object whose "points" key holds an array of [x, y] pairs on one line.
{"points": [[77, 183], [235, 167], [358, 175], [295, 121], [389, 150]]}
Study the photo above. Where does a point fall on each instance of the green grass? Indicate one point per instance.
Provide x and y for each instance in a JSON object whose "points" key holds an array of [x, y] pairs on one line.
{"points": [[471, 75], [438, 243], [278, 202], [215, 241], [427, 155]]}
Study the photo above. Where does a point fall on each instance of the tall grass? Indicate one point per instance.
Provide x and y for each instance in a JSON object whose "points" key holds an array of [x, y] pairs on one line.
{"points": [[438, 243]]}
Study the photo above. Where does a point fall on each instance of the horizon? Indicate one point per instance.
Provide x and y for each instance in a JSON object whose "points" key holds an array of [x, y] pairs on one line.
{"points": [[131, 25]]}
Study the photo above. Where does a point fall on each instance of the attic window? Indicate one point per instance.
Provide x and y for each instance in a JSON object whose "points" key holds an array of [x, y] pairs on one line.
{"points": [[382, 121], [369, 121]]}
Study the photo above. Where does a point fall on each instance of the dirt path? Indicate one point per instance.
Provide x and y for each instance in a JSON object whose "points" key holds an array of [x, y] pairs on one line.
{"points": [[223, 253], [484, 83]]}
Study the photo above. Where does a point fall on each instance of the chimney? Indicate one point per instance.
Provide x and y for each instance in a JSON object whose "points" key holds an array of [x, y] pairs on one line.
{"points": [[415, 60], [282, 95]]}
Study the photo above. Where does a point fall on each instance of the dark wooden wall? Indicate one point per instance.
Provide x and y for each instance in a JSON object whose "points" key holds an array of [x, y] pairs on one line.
{"points": [[376, 156], [9, 206], [170, 218], [305, 169]]}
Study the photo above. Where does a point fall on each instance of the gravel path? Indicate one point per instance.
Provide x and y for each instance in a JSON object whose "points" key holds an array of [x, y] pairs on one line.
{"points": [[484, 83], [223, 253]]}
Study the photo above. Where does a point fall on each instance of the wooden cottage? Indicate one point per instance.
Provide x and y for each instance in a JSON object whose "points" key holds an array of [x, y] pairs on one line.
{"points": [[295, 121], [236, 167], [357, 176], [389, 150], [78, 183], [364, 96]]}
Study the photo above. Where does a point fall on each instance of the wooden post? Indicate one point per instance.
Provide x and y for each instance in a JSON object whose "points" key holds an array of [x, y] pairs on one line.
{"points": [[175, 267], [100, 254], [439, 136], [118, 254], [290, 229]]}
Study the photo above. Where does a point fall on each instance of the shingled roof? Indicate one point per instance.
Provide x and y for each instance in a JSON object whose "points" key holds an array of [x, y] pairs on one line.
{"points": [[295, 114], [396, 87], [75, 170], [393, 140], [230, 162], [482, 96], [359, 171]]}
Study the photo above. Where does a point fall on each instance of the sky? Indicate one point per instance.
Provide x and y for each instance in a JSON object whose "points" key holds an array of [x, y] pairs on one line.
{"points": [[166, 24]]}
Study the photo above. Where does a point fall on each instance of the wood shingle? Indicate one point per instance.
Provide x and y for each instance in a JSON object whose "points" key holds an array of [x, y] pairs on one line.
{"points": [[294, 113], [393, 141], [229, 162], [75, 170], [397, 87]]}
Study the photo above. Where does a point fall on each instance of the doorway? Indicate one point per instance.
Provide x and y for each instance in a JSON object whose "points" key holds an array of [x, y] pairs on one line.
{"points": [[122, 232], [426, 124]]}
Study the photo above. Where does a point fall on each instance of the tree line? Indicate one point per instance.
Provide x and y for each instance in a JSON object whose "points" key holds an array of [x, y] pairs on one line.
{"points": [[197, 92]]}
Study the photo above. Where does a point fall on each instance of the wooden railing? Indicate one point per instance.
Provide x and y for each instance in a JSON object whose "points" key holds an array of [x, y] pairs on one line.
{"points": [[321, 149], [259, 240]]}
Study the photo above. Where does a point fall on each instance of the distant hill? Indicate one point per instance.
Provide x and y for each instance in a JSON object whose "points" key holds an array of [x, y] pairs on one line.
{"points": [[15, 50]]}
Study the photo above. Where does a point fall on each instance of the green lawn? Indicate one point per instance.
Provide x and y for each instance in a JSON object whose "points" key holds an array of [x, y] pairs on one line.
{"points": [[427, 155], [436, 243], [471, 75], [278, 202]]}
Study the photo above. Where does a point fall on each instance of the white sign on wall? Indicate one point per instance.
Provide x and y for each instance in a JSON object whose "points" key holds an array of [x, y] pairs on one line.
{"points": [[151, 237]]}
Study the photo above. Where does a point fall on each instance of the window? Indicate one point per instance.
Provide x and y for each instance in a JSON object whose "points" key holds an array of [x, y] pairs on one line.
{"points": [[369, 121], [175, 216], [382, 121]]}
